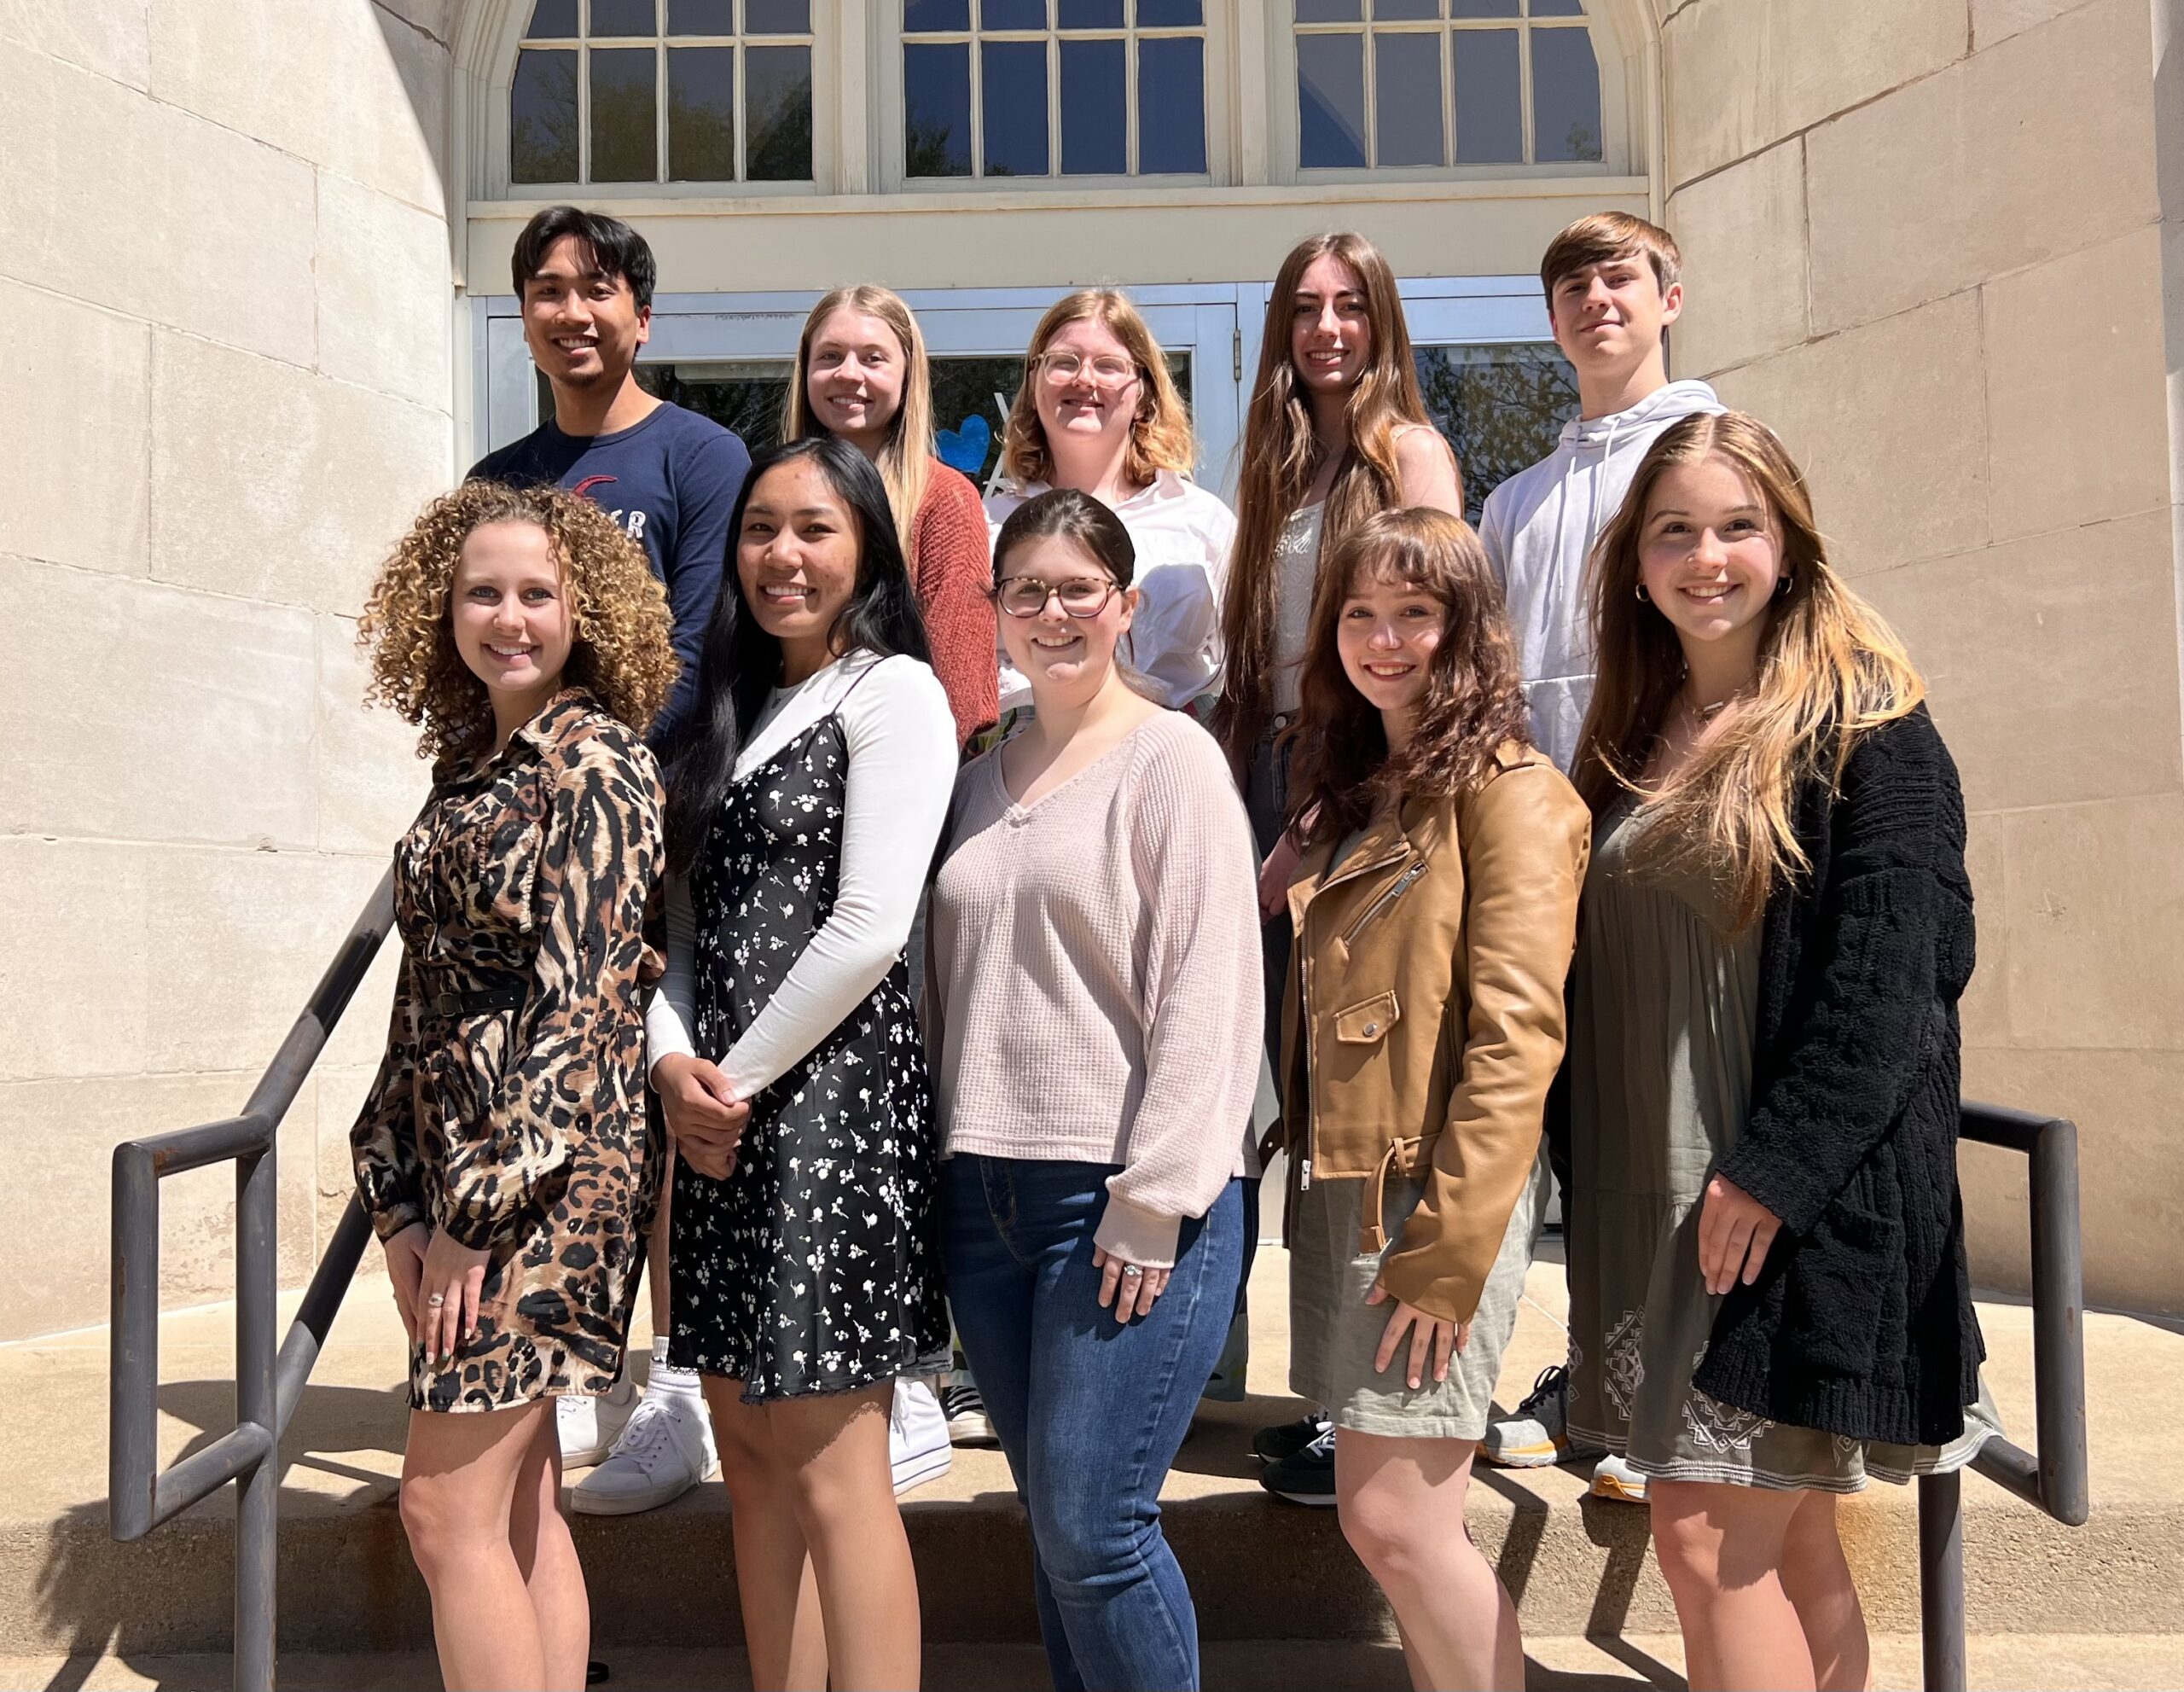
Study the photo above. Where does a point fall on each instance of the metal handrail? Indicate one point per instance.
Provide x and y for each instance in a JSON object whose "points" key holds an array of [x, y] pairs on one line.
{"points": [[2053, 1477], [269, 1383]]}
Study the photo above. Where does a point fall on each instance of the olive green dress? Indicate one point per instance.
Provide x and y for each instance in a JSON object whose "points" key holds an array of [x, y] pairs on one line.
{"points": [[1664, 1005]]}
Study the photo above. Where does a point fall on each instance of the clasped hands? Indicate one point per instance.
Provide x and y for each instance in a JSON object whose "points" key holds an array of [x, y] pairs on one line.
{"points": [[703, 1113]]}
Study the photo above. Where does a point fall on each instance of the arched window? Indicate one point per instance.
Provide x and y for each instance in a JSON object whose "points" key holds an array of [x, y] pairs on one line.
{"points": [[1046, 88], [1386, 84], [662, 91]]}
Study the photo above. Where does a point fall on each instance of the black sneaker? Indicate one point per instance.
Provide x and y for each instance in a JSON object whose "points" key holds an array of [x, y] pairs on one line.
{"points": [[965, 1411], [1285, 1439], [1305, 1477]]}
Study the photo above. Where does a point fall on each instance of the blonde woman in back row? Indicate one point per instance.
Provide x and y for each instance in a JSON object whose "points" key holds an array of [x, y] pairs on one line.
{"points": [[1098, 412]]}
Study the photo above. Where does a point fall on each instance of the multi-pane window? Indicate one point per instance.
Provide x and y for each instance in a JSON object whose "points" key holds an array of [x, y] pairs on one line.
{"points": [[1382, 83], [663, 90], [1044, 88]]}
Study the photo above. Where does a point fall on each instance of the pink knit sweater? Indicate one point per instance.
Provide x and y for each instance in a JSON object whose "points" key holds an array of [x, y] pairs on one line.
{"points": [[1095, 989]]}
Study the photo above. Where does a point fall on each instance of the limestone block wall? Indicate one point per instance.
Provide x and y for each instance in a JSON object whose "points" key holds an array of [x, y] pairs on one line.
{"points": [[224, 267], [1925, 240]]}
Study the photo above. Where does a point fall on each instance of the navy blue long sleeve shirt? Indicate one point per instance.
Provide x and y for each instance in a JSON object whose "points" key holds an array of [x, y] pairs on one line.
{"points": [[671, 479]]}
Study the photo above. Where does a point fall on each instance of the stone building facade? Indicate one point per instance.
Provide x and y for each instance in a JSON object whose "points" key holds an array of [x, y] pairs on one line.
{"points": [[254, 258]]}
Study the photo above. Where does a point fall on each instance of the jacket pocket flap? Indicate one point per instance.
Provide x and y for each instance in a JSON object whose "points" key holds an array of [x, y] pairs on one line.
{"points": [[1363, 1024]]}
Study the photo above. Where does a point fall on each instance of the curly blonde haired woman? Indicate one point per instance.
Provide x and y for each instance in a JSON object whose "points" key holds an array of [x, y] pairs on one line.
{"points": [[504, 1152]]}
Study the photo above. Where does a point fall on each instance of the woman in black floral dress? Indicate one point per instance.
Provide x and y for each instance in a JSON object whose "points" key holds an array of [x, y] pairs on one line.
{"points": [[504, 1153], [802, 820]]}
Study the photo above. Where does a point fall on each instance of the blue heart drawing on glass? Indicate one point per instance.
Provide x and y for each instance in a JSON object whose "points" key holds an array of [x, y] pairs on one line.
{"points": [[965, 449]]}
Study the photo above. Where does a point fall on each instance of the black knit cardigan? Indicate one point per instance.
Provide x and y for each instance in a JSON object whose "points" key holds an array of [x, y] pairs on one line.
{"points": [[1860, 1323]]}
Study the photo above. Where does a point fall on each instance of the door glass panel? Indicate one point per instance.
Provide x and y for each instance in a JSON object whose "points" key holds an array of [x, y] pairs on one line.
{"points": [[746, 395], [1407, 86], [1502, 408], [1490, 114], [1014, 76], [1171, 13], [625, 114], [1329, 11], [1331, 101], [937, 100], [1410, 11], [1566, 95], [777, 17], [701, 17], [1171, 105], [1011, 13], [543, 109], [923, 14], [1091, 15], [1095, 115]]}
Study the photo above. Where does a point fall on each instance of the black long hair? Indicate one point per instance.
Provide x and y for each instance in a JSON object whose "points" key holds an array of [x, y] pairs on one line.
{"points": [[740, 663]]}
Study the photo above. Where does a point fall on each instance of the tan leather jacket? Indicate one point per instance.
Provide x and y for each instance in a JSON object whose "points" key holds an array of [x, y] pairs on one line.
{"points": [[1423, 1020]]}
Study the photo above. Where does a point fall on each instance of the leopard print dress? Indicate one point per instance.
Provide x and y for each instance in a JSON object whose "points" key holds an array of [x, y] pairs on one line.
{"points": [[510, 1109]]}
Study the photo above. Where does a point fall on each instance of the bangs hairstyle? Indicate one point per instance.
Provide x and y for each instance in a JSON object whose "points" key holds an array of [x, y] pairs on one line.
{"points": [[1830, 671], [740, 663], [906, 455], [1280, 459], [621, 652], [1160, 431], [619, 252], [1605, 235], [1474, 699]]}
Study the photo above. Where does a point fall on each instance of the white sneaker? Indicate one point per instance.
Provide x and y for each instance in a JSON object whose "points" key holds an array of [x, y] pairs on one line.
{"points": [[967, 1422], [1614, 1478], [589, 1426], [917, 1435], [665, 1449]]}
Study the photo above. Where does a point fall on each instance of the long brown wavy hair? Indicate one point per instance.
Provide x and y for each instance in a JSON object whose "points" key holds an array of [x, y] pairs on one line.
{"points": [[1280, 458], [906, 460], [1161, 436], [1474, 701], [1830, 671], [621, 651]]}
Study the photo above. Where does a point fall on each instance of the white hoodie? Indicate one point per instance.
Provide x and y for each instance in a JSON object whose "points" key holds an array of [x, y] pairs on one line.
{"points": [[1539, 527]]}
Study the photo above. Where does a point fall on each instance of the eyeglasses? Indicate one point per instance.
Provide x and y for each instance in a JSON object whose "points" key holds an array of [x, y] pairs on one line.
{"points": [[1080, 595], [1105, 371]]}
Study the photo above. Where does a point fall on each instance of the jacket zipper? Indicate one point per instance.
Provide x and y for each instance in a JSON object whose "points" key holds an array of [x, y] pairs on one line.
{"points": [[1401, 886]]}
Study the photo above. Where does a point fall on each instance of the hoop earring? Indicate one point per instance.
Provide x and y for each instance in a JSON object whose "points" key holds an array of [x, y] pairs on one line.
{"points": [[1782, 588], [1644, 598]]}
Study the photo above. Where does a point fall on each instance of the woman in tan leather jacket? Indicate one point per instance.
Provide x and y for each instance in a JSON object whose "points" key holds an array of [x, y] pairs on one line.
{"points": [[1435, 912]]}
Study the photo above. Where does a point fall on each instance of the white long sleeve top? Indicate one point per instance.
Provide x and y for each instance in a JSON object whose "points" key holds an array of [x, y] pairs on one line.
{"points": [[902, 750]]}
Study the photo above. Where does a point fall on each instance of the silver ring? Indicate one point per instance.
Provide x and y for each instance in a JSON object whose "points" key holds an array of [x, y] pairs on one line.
{"points": [[1132, 1269], [436, 1300]]}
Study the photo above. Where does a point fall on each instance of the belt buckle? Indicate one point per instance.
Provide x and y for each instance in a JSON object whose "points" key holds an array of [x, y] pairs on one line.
{"points": [[446, 1004]]}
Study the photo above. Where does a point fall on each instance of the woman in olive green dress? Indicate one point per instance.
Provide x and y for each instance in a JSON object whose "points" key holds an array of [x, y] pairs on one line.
{"points": [[1769, 1303]]}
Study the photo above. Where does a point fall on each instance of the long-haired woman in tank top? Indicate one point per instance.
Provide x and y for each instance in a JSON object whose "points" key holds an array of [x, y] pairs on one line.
{"points": [[1336, 433]]}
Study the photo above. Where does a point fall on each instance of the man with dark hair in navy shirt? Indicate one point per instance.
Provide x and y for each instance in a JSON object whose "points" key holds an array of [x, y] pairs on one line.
{"points": [[670, 477]]}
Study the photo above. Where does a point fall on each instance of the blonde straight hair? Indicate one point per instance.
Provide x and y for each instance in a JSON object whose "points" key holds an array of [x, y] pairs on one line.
{"points": [[1160, 433], [906, 457], [1831, 671], [1280, 458]]}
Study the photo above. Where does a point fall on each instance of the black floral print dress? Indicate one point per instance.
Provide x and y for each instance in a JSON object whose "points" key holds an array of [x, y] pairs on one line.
{"points": [[814, 1267], [510, 1108]]}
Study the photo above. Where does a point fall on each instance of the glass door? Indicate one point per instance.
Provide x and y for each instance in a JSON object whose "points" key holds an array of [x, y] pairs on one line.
{"points": [[729, 357]]}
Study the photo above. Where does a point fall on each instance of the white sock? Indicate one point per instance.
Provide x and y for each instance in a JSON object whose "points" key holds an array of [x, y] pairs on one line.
{"points": [[666, 1378]]}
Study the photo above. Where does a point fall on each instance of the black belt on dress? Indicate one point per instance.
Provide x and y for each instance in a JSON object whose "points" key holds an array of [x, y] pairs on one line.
{"points": [[479, 1000]]}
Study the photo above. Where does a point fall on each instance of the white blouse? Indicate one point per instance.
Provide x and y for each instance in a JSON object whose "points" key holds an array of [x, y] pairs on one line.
{"points": [[902, 750], [1183, 536]]}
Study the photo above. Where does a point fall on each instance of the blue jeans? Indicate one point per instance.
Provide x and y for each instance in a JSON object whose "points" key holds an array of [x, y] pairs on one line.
{"points": [[1089, 1411]]}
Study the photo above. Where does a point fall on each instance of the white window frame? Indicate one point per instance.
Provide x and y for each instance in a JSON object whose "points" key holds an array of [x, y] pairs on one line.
{"points": [[886, 70], [497, 181], [1618, 153]]}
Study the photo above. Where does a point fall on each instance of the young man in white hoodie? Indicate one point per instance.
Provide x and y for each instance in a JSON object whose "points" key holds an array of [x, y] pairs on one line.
{"points": [[1612, 289]]}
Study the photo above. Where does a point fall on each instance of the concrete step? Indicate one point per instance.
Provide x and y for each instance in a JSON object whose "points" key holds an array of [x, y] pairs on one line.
{"points": [[1259, 1568], [2069, 1662]]}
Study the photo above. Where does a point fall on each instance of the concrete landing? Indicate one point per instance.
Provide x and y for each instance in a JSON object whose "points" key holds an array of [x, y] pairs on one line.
{"points": [[1260, 1569]]}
